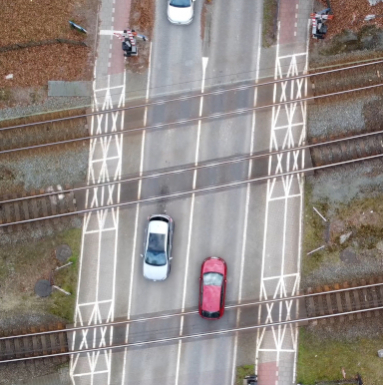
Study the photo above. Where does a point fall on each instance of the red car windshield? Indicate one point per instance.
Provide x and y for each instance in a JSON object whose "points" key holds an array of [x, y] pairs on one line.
{"points": [[212, 279]]}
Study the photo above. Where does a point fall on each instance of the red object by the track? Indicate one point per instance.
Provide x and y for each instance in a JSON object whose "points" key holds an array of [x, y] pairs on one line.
{"points": [[212, 288]]}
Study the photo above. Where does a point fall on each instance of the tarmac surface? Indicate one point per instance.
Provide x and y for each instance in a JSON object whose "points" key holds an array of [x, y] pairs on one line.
{"points": [[256, 228]]}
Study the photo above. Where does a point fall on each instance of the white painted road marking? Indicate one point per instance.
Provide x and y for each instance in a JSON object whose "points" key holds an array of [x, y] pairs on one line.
{"points": [[196, 157]]}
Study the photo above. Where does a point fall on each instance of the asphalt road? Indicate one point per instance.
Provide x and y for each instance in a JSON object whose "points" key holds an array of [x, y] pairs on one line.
{"points": [[219, 50], [224, 223]]}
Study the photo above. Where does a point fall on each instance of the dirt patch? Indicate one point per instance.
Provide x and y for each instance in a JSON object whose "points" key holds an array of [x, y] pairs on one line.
{"points": [[142, 16], [35, 66], [350, 15], [367, 38], [349, 39], [27, 21]]}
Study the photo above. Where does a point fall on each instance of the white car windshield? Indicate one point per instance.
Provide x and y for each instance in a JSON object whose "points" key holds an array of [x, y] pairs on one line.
{"points": [[155, 254], [180, 3]]}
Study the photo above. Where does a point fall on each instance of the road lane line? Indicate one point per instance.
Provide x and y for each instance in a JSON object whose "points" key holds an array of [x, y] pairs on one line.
{"points": [[246, 220], [259, 331], [139, 192], [188, 247], [301, 220]]}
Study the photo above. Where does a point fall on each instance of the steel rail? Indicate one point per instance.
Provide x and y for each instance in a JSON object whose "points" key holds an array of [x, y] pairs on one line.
{"points": [[193, 168], [185, 313], [189, 192], [191, 336], [183, 98], [185, 121]]}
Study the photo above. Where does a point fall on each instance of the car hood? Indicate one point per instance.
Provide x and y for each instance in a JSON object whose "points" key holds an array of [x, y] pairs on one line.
{"points": [[155, 273], [180, 15], [211, 298]]}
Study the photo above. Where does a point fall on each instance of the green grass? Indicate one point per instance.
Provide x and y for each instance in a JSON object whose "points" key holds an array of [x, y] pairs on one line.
{"points": [[22, 265], [269, 25], [242, 372], [323, 359], [366, 234], [63, 305], [314, 231]]}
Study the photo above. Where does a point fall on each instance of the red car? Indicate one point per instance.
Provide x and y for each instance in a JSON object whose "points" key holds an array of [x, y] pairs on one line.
{"points": [[212, 288]]}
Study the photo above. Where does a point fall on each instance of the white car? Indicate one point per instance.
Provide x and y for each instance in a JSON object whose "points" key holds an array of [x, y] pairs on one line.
{"points": [[181, 11], [158, 247]]}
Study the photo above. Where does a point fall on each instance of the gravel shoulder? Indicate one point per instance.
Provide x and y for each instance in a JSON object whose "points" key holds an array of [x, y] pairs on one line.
{"points": [[349, 197]]}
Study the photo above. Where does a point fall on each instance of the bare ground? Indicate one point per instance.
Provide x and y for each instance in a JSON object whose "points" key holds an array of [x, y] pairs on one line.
{"points": [[24, 21], [350, 15]]}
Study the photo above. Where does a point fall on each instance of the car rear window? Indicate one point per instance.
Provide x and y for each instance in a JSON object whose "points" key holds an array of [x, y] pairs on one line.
{"points": [[180, 3], [209, 314]]}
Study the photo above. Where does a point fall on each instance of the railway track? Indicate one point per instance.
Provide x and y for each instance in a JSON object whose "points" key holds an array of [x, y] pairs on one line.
{"points": [[70, 127], [326, 304], [42, 129], [33, 345], [346, 149], [173, 195], [31, 208], [325, 82], [355, 296]]}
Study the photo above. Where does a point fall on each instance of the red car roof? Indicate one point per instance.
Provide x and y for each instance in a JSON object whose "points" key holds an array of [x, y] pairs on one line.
{"points": [[211, 298], [213, 265]]}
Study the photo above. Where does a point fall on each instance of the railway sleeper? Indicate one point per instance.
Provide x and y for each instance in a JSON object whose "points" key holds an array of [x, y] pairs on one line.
{"points": [[310, 305], [380, 291], [347, 154], [374, 297], [369, 146], [359, 149], [353, 151], [329, 304], [374, 145], [348, 301], [19, 348], [315, 154], [339, 306], [323, 155], [365, 300], [379, 142], [9, 348], [338, 155], [363, 149], [356, 300]]}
